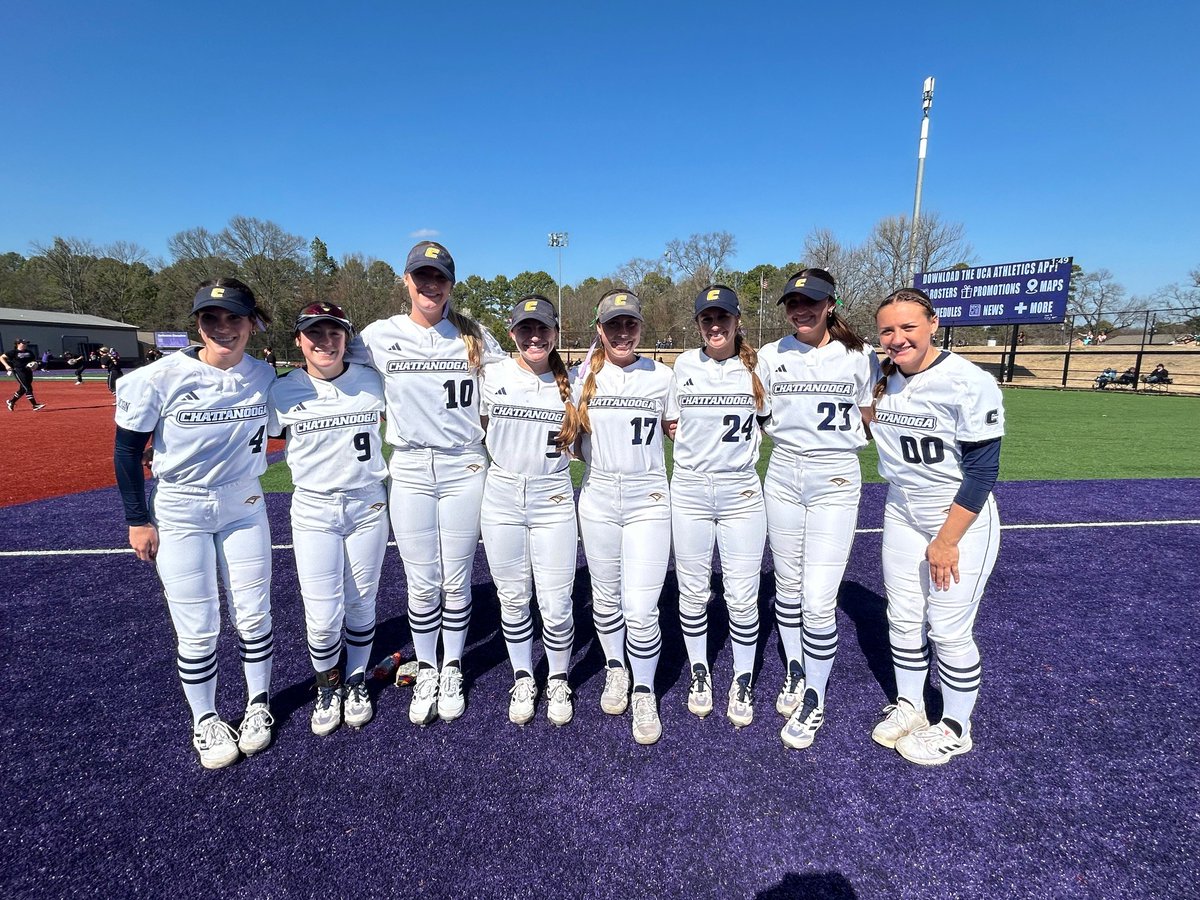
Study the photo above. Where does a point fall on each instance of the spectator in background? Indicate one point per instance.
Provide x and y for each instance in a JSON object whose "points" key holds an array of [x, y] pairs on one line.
{"points": [[47, 358], [1103, 337], [269, 359], [1127, 377], [1105, 378], [1160, 375], [1021, 339], [153, 355]]}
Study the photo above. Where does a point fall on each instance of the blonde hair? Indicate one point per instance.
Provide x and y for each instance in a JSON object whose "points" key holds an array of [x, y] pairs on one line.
{"points": [[470, 332], [594, 363], [749, 357]]}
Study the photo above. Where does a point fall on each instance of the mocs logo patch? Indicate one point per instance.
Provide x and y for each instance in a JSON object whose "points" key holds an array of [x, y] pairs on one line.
{"points": [[378, 506], [530, 305], [474, 467], [656, 496], [433, 252], [250, 501], [840, 482], [557, 498]]}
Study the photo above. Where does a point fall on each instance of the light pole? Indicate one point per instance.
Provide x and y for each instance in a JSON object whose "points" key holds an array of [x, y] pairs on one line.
{"points": [[557, 240], [926, 103]]}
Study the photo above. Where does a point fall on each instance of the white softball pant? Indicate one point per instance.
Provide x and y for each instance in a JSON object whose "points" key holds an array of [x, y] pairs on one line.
{"points": [[725, 509], [434, 501], [531, 537], [339, 539], [625, 523], [812, 510], [910, 522], [204, 532]]}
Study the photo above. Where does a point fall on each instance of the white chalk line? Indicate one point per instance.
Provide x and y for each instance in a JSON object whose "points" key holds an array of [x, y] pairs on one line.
{"points": [[1039, 526]]}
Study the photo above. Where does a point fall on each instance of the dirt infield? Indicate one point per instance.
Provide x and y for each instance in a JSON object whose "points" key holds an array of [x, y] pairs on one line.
{"points": [[64, 448], [61, 449]]}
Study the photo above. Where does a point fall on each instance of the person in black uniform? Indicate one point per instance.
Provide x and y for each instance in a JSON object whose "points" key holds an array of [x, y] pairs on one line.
{"points": [[110, 361], [80, 361], [270, 360], [21, 362]]}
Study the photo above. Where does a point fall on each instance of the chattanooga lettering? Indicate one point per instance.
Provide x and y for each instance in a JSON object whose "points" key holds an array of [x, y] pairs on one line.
{"points": [[844, 389], [525, 413], [905, 420], [403, 366], [229, 414], [623, 403], [716, 400], [347, 420]]}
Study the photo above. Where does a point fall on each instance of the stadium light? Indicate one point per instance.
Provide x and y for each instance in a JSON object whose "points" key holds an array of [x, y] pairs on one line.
{"points": [[556, 240], [926, 103]]}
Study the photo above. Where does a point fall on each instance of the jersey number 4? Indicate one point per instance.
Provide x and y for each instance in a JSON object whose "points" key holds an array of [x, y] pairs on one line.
{"points": [[256, 442]]}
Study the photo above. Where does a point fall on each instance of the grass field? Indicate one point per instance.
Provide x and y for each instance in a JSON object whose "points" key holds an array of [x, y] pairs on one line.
{"points": [[1052, 435]]}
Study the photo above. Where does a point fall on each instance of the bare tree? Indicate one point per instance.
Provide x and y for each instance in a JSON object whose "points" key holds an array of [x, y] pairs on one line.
{"points": [[1100, 301], [701, 255], [67, 263], [270, 260]]}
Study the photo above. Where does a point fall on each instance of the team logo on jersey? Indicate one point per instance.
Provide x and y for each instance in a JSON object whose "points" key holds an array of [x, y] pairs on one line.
{"points": [[527, 414], [748, 494], [217, 416], [345, 420], [474, 467], [250, 501], [838, 388], [905, 420], [557, 498], [716, 400], [378, 506], [992, 417], [623, 403], [405, 366], [656, 496], [840, 482]]}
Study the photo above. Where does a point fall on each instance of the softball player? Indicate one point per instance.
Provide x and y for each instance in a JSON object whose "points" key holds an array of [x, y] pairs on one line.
{"points": [[330, 411], [625, 403], [21, 363], [938, 424], [820, 380], [716, 494], [528, 518], [206, 410], [430, 360]]}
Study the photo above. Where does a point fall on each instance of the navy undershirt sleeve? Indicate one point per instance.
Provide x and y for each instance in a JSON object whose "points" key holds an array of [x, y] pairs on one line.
{"points": [[981, 468], [131, 480]]}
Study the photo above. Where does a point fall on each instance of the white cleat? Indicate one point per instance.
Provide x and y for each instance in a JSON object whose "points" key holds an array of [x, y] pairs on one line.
{"points": [[255, 733], [647, 728], [804, 723], [451, 702], [614, 699], [216, 743], [424, 706], [899, 719], [522, 697], [793, 689], [934, 745], [741, 701], [560, 708]]}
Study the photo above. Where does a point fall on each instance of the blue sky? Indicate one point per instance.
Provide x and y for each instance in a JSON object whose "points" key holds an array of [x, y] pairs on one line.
{"points": [[1057, 129]]}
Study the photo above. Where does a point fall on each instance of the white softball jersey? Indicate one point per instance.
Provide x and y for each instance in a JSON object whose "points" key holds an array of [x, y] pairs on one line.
{"points": [[815, 395], [525, 415], [921, 422], [626, 413], [431, 390], [718, 419], [333, 438], [209, 424]]}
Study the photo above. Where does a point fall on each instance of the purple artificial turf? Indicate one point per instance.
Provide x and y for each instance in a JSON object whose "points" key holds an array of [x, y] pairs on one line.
{"points": [[1082, 783]]}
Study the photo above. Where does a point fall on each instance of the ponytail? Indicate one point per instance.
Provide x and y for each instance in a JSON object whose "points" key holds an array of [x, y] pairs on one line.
{"points": [[594, 363], [887, 366], [749, 357], [471, 334], [571, 415], [840, 330]]}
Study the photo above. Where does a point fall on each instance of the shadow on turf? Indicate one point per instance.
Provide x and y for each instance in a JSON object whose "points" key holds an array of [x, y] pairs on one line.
{"points": [[813, 885]]}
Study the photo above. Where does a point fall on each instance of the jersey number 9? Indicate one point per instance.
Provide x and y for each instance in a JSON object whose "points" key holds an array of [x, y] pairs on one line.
{"points": [[362, 443]]}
